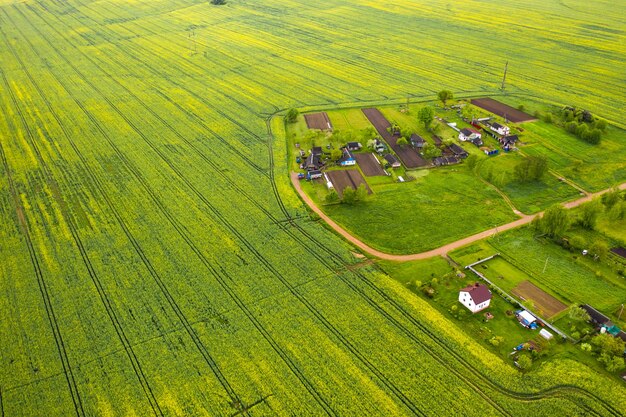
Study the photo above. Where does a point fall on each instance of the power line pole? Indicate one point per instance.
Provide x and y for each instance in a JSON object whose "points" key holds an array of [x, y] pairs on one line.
{"points": [[545, 265], [506, 67]]}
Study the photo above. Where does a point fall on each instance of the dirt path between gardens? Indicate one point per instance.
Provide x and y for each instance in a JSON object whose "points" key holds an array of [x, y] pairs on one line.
{"points": [[441, 251]]}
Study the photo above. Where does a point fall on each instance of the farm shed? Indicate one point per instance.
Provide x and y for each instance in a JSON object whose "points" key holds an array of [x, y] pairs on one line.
{"points": [[312, 175], [526, 319], [468, 134], [392, 160], [354, 146], [475, 298], [317, 150], [545, 334], [438, 141], [458, 151], [417, 141]]}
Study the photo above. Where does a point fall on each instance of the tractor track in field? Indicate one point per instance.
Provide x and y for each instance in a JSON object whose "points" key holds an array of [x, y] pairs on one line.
{"points": [[338, 335], [320, 317], [43, 287], [554, 391], [310, 82], [279, 351], [55, 190], [153, 273]]}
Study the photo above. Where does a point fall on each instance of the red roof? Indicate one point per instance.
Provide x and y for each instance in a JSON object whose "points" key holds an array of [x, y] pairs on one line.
{"points": [[479, 293]]}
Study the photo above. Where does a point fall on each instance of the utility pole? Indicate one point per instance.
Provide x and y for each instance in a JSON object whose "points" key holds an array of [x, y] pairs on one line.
{"points": [[620, 313], [545, 265], [506, 67]]}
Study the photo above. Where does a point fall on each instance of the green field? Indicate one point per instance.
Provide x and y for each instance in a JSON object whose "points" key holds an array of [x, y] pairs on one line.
{"points": [[155, 259], [438, 208]]}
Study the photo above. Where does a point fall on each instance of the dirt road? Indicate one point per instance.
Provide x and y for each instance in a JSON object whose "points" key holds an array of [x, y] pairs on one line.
{"points": [[441, 251]]}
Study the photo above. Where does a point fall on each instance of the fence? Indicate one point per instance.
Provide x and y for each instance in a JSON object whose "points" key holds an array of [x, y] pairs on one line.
{"points": [[509, 298]]}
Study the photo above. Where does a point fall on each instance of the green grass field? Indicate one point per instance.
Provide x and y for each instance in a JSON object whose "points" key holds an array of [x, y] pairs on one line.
{"points": [[155, 260], [440, 207]]}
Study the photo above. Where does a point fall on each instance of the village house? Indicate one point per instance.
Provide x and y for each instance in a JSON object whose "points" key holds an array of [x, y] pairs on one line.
{"points": [[469, 134], [417, 141], [500, 129], [476, 297], [458, 151], [347, 159]]}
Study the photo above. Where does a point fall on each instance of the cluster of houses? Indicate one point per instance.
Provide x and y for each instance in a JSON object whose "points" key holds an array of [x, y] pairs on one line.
{"points": [[603, 323], [502, 134]]}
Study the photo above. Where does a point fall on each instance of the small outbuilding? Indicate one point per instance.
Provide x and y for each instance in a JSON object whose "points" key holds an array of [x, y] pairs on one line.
{"points": [[393, 161], [354, 146], [347, 159], [417, 141], [476, 297], [526, 319]]}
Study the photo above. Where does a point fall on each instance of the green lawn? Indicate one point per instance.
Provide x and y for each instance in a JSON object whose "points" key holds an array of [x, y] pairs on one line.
{"points": [[441, 207]]}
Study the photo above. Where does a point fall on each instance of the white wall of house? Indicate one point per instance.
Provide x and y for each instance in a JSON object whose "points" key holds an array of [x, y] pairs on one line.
{"points": [[468, 302], [348, 162]]}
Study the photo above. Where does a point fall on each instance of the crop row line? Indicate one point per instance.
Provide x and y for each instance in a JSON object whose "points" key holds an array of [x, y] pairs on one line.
{"points": [[173, 304], [180, 229], [43, 287], [338, 335], [55, 189]]}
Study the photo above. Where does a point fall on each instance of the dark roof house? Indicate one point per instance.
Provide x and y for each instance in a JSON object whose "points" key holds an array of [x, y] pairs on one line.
{"points": [[317, 150], [417, 141], [353, 146], [458, 151], [479, 293], [596, 316], [393, 161]]}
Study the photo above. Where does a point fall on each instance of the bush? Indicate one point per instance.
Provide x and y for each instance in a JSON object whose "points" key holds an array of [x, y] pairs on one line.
{"points": [[292, 115]]}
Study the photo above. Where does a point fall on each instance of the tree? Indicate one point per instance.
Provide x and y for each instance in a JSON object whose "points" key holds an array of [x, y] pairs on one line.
{"points": [[336, 154], [555, 221], [445, 95], [426, 115], [531, 168], [402, 141], [578, 242], [524, 361], [589, 214], [599, 249], [332, 197], [618, 211], [218, 2], [610, 198], [292, 115], [349, 195], [578, 314], [431, 151], [361, 192]]}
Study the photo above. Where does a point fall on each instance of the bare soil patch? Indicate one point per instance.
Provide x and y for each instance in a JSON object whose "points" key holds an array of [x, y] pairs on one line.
{"points": [[347, 178], [318, 121], [502, 110], [407, 154], [549, 305], [369, 164]]}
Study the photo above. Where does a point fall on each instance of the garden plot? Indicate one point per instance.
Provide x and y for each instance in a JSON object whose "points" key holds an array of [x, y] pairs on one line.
{"points": [[369, 164], [351, 178], [318, 121]]}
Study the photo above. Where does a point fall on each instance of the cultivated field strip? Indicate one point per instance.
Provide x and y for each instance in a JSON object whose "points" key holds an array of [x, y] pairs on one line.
{"points": [[156, 165], [172, 302]]}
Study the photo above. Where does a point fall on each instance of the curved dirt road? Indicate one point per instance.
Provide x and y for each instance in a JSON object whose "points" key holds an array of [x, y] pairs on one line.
{"points": [[441, 251]]}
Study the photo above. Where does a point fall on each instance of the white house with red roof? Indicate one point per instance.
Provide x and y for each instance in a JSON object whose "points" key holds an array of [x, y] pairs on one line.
{"points": [[469, 134], [475, 297]]}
